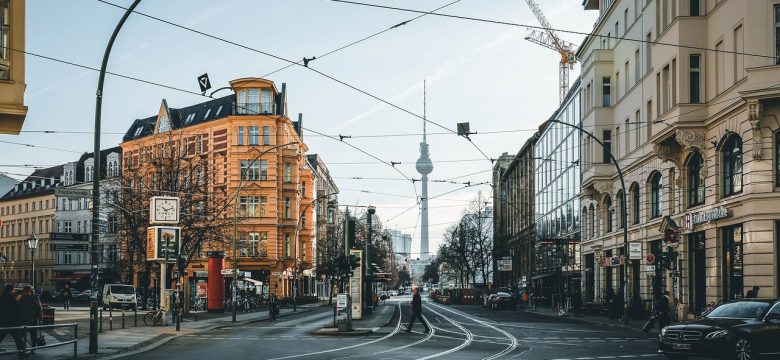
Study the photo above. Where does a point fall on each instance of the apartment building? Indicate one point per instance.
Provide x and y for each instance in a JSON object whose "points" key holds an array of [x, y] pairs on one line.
{"points": [[683, 94], [240, 147], [12, 85]]}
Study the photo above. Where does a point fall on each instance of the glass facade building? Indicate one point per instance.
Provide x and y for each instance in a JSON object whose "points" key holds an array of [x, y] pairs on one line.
{"points": [[557, 193]]}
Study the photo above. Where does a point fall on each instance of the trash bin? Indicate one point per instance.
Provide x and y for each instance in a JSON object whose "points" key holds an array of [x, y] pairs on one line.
{"points": [[47, 315]]}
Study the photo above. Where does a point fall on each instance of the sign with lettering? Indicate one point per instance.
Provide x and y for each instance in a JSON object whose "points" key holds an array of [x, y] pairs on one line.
{"points": [[504, 264], [68, 237], [73, 194], [70, 247], [690, 220], [635, 251]]}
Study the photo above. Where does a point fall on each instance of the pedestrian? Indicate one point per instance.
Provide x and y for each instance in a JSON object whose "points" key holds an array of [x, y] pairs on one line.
{"points": [[66, 297], [273, 307], [9, 315], [664, 311], [609, 299], [30, 312], [752, 294], [620, 304], [416, 310]]}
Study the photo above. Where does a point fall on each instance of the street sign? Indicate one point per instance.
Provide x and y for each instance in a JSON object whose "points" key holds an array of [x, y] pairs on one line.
{"points": [[73, 193], [650, 258], [341, 301], [204, 83], [229, 272], [70, 247], [635, 251], [505, 264], [650, 268], [68, 237]]}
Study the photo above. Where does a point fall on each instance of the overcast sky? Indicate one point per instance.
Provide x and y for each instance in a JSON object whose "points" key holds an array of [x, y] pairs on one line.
{"points": [[485, 74]]}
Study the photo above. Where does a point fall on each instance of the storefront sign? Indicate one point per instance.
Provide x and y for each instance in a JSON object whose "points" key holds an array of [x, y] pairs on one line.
{"points": [[693, 219], [611, 261], [635, 251], [505, 264]]}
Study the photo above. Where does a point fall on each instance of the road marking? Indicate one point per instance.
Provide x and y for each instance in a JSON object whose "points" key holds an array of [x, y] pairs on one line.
{"points": [[469, 337], [512, 346]]}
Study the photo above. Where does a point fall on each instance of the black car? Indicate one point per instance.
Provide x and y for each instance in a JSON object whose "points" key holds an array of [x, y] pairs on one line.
{"points": [[741, 330]]}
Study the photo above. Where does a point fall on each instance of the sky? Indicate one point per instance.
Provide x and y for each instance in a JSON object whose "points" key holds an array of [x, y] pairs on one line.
{"points": [[484, 74]]}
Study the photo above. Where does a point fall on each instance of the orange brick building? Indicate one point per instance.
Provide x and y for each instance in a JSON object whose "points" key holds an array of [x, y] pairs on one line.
{"points": [[225, 135]]}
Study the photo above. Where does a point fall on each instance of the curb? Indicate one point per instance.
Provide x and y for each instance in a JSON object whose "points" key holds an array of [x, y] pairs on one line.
{"points": [[354, 332], [161, 342], [584, 321]]}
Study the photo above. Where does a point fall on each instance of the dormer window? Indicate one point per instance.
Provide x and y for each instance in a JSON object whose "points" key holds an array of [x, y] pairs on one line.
{"points": [[249, 101], [219, 110], [138, 131], [164, 126], [265, 101], [208, 112], [189, 118]]}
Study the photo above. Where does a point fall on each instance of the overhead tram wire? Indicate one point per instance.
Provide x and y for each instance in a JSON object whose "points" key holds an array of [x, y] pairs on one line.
{"points": [[536, 27], [294, 63], [364, 38]]}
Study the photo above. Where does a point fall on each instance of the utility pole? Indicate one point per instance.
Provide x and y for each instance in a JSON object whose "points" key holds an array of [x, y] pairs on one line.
{"points": [[94, 253], [369, 229]]}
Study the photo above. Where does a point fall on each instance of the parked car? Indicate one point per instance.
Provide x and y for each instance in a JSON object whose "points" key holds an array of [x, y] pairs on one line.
{"points": [[500, 300], [393, 293], [119, 296], [49, 296], [741, 330], [81, 296]]}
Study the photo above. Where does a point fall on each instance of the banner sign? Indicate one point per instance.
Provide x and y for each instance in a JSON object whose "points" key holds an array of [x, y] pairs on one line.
{"points": [[202, 289], [162, 241]]}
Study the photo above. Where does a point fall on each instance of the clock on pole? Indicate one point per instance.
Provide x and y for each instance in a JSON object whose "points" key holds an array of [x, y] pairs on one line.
{"points": [[164, 210]]}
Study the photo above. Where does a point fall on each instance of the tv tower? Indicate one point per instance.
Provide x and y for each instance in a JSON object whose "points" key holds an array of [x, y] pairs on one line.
{"points": [[424, 167]]}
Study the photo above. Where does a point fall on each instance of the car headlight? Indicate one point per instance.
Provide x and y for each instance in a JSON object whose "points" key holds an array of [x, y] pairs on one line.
{"points": [[663, 332], [716, 334]]}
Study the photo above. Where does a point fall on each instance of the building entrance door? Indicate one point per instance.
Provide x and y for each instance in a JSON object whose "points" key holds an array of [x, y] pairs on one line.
{"points": [[697, 273]]}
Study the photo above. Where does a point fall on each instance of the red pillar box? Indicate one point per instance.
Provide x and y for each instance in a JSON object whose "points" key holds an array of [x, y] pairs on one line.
{"points": [[216, 288]]}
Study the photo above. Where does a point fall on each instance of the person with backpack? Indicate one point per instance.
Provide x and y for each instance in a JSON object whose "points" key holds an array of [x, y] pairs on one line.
{"points": [[30, 312], [9, 315], [273, 307], [66, 298]]}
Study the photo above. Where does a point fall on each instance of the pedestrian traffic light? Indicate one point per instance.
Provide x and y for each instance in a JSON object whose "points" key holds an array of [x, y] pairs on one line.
{"points": [[354, 261]]}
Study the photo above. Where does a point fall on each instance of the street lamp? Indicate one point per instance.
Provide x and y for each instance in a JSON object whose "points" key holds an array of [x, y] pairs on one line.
{"points": [[297, 242], [235, 219], [32, 243], [4, 261]]}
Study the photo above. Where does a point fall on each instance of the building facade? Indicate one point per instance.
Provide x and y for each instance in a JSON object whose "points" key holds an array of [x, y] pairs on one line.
{"points": [[12, 82], [556, 263], [28, 209], [514, 223], [220, 139], [694, 131], [325, 203]]}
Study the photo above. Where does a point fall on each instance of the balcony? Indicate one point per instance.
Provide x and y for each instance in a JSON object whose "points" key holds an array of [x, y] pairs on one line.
{"points": [[254, 108]]}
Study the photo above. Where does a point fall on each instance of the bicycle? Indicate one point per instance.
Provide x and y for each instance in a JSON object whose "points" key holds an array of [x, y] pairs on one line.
{"points": [[198, 305], [153, 318]]}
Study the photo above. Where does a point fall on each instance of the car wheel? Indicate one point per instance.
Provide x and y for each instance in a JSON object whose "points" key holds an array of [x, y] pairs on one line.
{"points": [[743, 349]]}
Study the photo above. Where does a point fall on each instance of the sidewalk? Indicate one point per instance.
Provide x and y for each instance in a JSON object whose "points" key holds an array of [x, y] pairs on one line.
{"points": [[131, 340], [633, 324], [370, 323]]}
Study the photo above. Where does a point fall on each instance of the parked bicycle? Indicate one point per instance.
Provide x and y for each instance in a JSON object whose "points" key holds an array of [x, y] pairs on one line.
{"points": [[153, 318]]}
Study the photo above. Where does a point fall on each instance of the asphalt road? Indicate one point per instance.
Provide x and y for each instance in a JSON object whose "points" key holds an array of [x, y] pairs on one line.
{"points": [[459, 332]]}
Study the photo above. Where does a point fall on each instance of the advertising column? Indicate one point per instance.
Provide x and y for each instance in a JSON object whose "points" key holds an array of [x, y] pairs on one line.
{"points": [[355, 286]]}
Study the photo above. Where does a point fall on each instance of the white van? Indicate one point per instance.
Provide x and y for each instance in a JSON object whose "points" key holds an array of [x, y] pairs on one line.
{"points": [[119, 296]]}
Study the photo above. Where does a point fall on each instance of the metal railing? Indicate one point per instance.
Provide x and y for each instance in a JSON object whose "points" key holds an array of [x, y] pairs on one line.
{"points": [[254, 108], [22, 332]]}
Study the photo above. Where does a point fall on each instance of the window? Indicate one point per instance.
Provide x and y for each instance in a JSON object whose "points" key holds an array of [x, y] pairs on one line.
{"points": [[303, 190], [694, 7], [739, 53], [208, 112], [165, 126], [625, 21], [610, 212], [607, 140], [250, 244], [263, 169], [695, 82], [254, 135], [286, 245], [719, 67], [635, 204], [777, 34], [201, 144], [732, 263], [620, 203], [655, 195], [4, 38], [68, 226], [606, 92], [265, 101], [627, 137], [249, 170], [219, 110], [626, 81], [287, 172], [241, 102], [695, 182], [732, 166], [777, 161], [287, 205], [252, 206], [266, 135], [637, 68], [648, 52], [253, 101], [637, 127], [617, 87], [240, 135], [665, 89]]}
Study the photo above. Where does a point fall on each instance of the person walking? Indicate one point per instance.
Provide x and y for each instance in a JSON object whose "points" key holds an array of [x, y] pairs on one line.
{"points": [[30, 312], [9, 316], [273, 307], [609, 299], [416, 310], [65, 297], [664, 311]]}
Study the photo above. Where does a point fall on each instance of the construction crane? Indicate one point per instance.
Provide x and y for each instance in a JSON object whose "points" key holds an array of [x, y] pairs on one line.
{"points": [[549, 39]]}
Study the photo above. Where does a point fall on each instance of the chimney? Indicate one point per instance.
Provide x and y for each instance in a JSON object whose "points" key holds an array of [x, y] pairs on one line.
{"points": [[299, 125], [282, 100]]}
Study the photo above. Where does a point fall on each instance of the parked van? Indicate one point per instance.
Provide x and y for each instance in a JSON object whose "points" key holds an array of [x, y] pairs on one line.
{"points": [[119, 296]]}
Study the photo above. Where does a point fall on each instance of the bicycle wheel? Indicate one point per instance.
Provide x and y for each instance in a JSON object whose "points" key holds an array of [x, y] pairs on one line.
{"points": [[149, 319]]}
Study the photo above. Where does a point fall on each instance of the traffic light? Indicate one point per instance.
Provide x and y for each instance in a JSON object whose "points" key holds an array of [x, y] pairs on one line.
{"points": [[354, 261], [351, 234]]}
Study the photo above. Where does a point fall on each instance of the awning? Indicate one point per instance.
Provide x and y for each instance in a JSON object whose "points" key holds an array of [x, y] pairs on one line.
{"points": [[69, 277], [253, 281], [537, 277]]}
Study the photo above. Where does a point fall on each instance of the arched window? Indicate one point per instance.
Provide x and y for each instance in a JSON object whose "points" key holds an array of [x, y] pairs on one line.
{"points": [[609, 211], [619, 204], [585, 224], [732, 166], [592, 220], [695, 182], [655, 195], [635, 204]]}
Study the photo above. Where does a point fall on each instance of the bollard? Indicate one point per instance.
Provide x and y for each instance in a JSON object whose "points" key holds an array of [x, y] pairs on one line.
{"points": [[110, 317], [76, 343], [123, 318], [135, 316], [100, 327]]}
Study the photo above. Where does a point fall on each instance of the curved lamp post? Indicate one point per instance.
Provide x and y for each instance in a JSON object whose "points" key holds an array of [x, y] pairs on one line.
{"points": [[235, 219], [32, 244], [623, 213], [297, 242]]}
